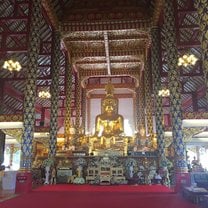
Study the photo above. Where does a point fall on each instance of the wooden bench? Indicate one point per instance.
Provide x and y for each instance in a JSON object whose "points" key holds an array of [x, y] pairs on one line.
{"points": [[194, 194], [204, 203], [200, 179]]}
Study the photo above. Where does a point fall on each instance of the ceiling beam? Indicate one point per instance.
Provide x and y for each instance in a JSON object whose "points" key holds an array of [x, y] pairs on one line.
{"points": [[107, 53], [139, 37], [116, 85], [51, 14]]}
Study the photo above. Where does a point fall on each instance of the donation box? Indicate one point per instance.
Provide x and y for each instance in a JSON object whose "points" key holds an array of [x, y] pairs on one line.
{"points": [[23, 182]]}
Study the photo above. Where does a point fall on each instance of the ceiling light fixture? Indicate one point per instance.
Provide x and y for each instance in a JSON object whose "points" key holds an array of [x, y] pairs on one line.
{"points": [[187, 59], [164, 92], [12, 65], [44, 94]]}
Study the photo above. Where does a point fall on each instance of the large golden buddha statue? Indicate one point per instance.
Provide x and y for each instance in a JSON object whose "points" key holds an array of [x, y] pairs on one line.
{"points": [[109, 125]]}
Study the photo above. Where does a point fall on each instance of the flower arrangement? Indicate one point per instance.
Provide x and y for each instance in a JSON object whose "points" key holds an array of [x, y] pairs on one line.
{"points": [[48, 162], [165, 163]]}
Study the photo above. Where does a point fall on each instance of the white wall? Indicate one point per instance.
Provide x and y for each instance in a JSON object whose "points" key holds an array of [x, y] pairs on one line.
{"points": [[126, 109], [95, 109]]}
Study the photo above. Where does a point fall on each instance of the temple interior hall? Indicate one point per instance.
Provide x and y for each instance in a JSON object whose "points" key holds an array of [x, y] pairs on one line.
{"points": [[104, 92]]}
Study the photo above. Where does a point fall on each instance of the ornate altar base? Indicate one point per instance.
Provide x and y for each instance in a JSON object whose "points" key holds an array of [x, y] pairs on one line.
{"points": [[108, 169]]}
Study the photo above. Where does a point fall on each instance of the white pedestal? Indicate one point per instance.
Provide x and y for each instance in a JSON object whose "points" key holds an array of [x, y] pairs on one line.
{"points": [[9, 180]]}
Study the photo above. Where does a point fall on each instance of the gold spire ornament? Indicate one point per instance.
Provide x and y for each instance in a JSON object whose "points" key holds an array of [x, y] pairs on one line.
{"points": [[109, 89]]}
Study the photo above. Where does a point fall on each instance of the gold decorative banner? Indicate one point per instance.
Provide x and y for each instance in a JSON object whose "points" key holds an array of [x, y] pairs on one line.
{"points": [[12, 118], [195, 115], [16, 133], [190, 132]]}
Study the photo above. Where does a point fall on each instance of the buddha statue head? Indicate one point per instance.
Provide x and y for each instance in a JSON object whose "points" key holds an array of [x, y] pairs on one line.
{"points": [[109, 104]]}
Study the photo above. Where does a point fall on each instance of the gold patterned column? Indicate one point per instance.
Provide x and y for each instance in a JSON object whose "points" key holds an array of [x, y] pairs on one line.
{"points": [[202, 10], [148, 98], [88, 112], [174, 87], [55, 68], [84, 109], [78, 107], [67, 121], [140, 94], [136, 101], [155, 34], [30, 87]]}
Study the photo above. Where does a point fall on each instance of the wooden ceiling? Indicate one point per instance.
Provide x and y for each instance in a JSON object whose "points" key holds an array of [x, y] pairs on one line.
{"points": [[101, 38]]}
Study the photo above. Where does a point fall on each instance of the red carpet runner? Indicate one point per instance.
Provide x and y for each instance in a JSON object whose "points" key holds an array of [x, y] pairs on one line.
{"points": [[90, 196]]}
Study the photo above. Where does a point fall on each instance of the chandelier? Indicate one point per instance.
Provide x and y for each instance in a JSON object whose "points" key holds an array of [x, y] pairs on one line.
{"points": [[44, 94], [164, 92], [187, 59], [12, 65]]}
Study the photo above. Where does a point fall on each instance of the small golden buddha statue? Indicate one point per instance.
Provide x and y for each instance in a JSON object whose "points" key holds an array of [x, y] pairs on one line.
{"points": [[109, 124], [142, 140]]}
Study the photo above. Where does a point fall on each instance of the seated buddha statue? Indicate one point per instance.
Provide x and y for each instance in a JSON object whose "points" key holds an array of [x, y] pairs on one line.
{"points": [[109, 124]]}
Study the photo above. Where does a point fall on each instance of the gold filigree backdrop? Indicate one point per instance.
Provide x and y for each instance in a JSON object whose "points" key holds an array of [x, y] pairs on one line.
{"points": [[15, 133]]}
